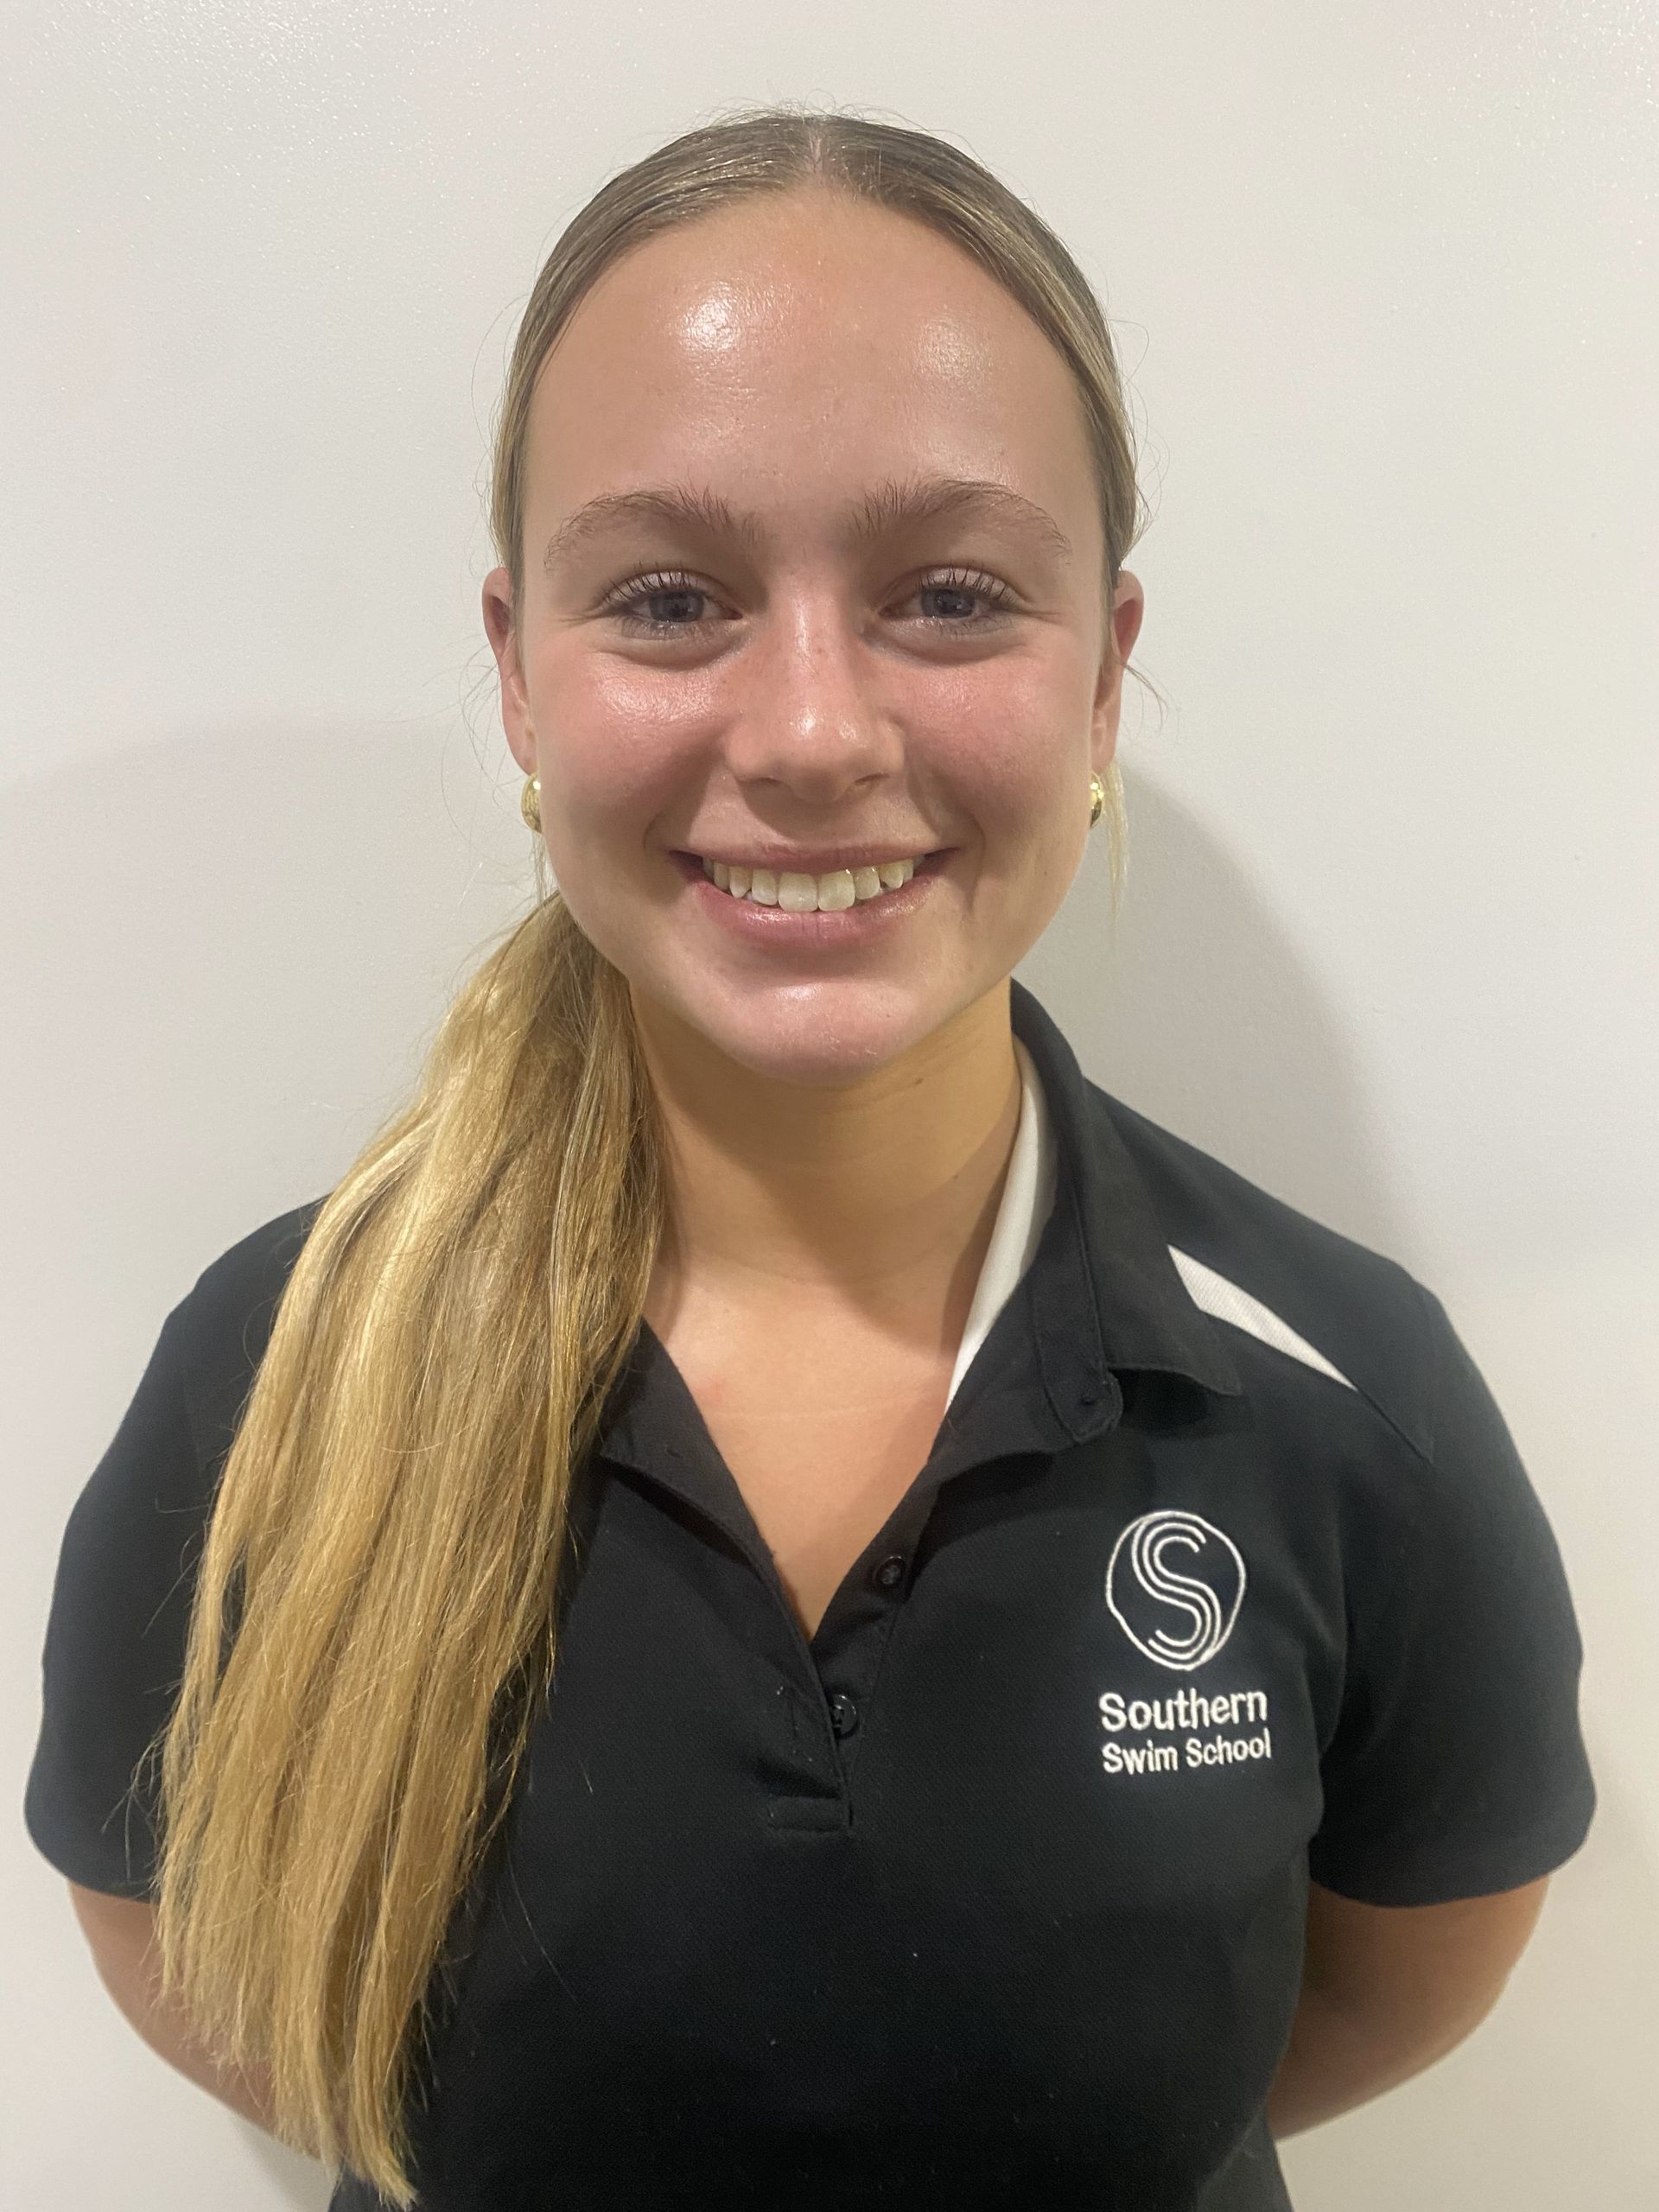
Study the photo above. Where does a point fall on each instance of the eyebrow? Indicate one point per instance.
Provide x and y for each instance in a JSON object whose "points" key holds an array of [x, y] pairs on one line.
{"points": [[892, 505]]}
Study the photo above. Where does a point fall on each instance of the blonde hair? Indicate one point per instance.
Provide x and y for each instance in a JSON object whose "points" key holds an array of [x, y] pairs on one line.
{"points": [[373, 1622]]}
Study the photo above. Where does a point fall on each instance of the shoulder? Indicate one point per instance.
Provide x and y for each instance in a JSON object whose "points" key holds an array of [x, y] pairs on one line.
{"points": [[1313, 1320], [219, 1329], [1370, 1445], [122, 1596]]}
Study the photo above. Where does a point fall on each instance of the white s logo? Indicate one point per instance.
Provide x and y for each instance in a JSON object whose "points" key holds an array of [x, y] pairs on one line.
{"points": [[1141, 1588]]}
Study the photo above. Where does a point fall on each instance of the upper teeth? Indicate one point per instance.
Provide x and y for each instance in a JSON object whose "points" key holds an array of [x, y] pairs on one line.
{"points": [[801, 894]]}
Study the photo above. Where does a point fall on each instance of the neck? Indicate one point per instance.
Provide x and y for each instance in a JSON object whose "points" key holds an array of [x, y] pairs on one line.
{"points": [[873, 1200]]}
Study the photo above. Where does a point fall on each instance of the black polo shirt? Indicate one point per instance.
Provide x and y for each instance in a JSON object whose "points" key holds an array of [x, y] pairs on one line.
{"points": [[1223, 1573]]}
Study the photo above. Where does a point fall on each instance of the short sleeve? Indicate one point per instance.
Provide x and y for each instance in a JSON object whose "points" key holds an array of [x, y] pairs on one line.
{"points": [[115, 1638], [1457, 1768]]}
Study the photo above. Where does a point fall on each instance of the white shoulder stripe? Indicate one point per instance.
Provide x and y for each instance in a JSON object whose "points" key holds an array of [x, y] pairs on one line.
{"points": [[1215, 1294]]}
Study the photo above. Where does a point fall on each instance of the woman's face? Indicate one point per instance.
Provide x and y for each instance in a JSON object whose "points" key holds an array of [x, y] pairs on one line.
{"points": [[799, 668]]}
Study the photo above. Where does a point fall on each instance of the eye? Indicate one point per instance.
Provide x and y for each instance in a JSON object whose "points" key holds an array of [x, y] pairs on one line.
{"points": [[967, 583], [952, 583], [625, 596]]}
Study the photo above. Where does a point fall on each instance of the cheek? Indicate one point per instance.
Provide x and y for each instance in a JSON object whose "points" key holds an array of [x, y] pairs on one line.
{"points": [[1022, 784], [1014, 735], [614, 758], [605, 725]]}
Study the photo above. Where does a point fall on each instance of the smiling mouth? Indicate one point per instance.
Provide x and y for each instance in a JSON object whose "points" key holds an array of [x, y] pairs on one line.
{"points": [[800, 891]]}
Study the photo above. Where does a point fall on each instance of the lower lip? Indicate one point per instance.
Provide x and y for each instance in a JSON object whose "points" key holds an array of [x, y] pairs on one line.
{"points": [[848, 926]]}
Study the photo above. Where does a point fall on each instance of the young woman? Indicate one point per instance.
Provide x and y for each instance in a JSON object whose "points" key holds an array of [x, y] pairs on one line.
{"points": [[778, 1600]]}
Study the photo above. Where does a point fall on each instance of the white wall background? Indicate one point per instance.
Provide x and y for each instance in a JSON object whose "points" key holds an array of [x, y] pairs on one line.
{"points": [[1384, 280]]}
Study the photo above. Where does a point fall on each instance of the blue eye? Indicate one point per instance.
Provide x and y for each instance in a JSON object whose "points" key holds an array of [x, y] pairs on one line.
{"points": [[957, 583], [623, 600], [967, 583]]}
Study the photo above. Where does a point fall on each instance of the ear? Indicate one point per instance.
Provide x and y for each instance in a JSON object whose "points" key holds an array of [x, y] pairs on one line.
{"points": [[1128, 606], [515, 702]]}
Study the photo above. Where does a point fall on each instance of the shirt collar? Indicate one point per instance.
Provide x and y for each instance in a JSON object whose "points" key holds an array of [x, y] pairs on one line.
{"points": [[1027, 1200], [1101, 1294], [1106, 1295], [1111, 1299]]}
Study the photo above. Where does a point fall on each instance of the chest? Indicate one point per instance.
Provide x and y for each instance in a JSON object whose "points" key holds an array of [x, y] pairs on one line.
{"points": [[824, 1434], [878, 1953]]}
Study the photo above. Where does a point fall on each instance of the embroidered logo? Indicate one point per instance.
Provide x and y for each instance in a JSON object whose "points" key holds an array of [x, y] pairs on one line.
{"points": [[1180, 1619]]}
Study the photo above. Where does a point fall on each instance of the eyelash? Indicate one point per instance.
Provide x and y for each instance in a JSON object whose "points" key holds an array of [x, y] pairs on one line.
{"points": [[996, 596]]}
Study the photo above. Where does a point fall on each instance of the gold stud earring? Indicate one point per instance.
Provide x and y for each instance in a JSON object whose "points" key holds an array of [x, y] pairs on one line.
{"points": [[1096, 800]]}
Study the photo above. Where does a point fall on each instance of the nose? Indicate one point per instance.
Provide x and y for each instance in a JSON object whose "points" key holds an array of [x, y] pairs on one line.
{"points": [[808, 712]]}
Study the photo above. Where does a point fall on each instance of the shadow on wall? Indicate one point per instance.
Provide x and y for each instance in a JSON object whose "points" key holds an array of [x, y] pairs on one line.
{"points": [[226, 954], [1551, 2084], [1199, 1011]]}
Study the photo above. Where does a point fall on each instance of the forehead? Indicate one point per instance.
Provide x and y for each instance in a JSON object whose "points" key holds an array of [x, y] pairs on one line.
{"points": [[794, 352]]}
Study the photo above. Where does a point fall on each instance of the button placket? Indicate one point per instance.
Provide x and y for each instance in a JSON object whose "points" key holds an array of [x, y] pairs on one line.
{"points": [[861, 1621]]}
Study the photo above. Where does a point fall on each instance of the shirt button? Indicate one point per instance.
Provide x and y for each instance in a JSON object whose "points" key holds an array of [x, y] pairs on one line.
{"points": [[890, 1573], [843, 1713]]}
